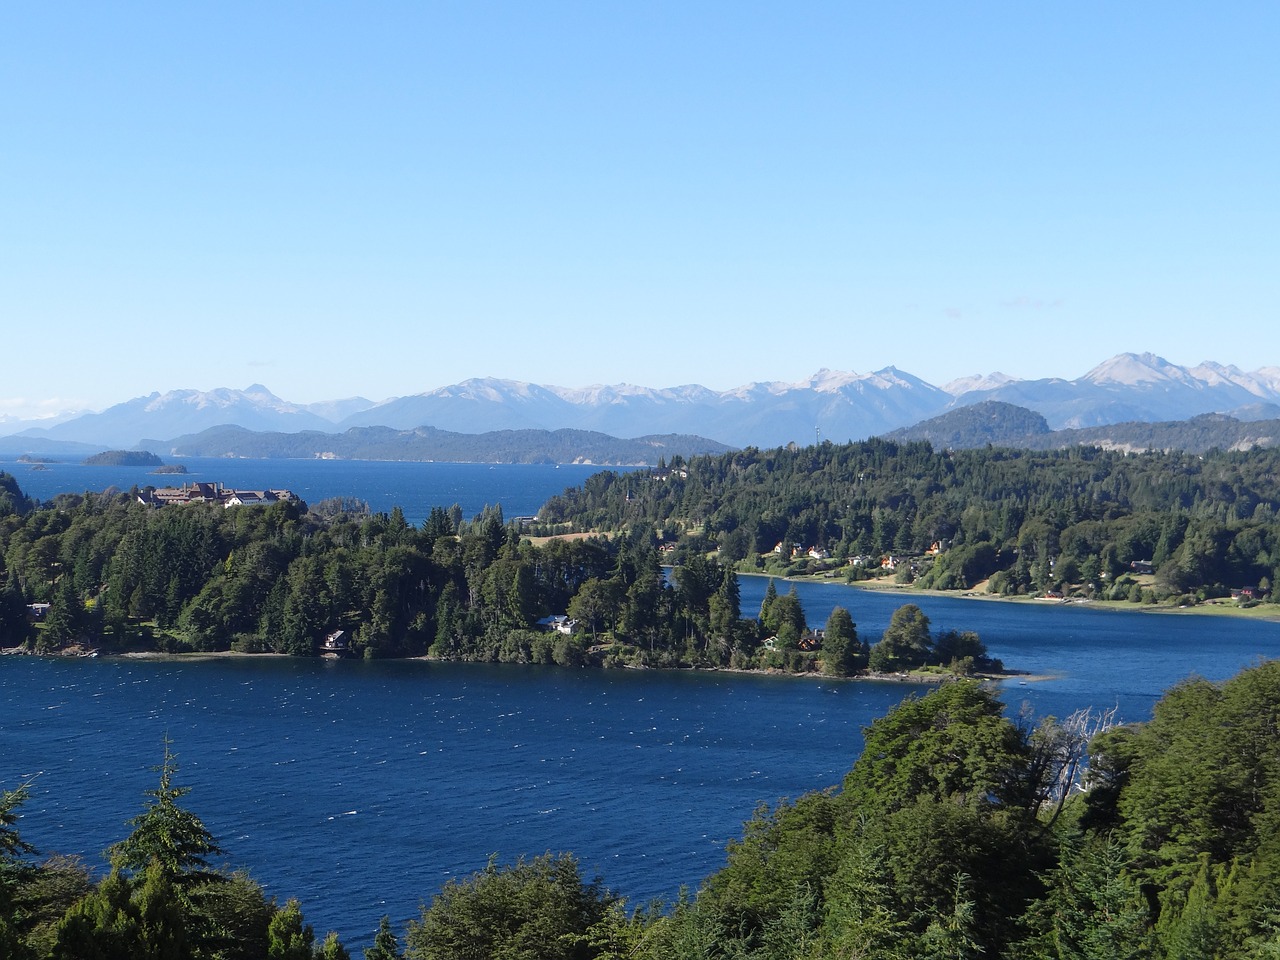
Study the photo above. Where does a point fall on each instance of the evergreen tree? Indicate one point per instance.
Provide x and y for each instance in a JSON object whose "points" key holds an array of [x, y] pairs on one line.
{"points": [[165, 832], [102, 926], [64, 623], [766, 605], [385, 946], [1194, 931], [905, 642], [332, 948], [288, 936], [1094, 910], [841, 652], [14, 628], [536, 909], [14, 871], [162, 931], [953, 744]]}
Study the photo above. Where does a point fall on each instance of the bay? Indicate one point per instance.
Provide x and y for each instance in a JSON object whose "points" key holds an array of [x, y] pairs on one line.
{"points": [[1087, 656], [520, 489], [361, 787]]}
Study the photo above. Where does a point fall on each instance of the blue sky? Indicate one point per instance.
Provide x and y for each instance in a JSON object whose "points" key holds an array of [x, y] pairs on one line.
{"points": [[337, 199]]}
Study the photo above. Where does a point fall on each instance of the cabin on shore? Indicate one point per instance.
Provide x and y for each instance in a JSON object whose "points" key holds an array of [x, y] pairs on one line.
{"points": [[335, 644], [560, 623]]}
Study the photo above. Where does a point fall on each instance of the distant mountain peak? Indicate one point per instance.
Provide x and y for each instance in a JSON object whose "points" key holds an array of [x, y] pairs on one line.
{"points": [[976, 382], [842, 404], [1130, 369]]}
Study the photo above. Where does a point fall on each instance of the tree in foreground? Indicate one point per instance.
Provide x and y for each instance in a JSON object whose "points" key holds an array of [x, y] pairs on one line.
{"points": [[385, 946], [13, 869], [954, 744], [536, 909], [165, 832], [161, 899]]}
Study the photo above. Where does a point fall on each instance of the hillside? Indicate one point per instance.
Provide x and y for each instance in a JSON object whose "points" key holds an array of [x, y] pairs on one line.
{"points": [[1005, 425], [124, 458], [1071, 521]]}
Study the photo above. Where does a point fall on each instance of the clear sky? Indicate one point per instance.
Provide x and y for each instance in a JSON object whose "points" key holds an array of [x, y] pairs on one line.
{"points": [[339, 199]]}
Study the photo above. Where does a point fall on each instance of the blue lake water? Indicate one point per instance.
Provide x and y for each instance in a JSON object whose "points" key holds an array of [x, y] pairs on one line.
{"points": [[361, 787], [414, 487], [1092, 657]]}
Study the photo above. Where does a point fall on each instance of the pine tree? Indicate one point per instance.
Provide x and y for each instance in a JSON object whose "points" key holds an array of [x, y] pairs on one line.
{"points": [[164, 831], [288, 937], [385, 946]]}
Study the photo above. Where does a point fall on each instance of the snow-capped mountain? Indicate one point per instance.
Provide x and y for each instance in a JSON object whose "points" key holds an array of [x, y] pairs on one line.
{"points": [[839, 406], [830, 405], [978, 381], [184, 411], [1141, 387]]}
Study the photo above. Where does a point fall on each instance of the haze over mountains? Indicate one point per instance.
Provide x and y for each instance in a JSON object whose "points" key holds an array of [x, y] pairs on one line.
{"points": [[831, 405]]}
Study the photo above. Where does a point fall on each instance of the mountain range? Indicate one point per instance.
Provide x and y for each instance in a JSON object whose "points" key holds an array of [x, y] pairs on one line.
{"points": [[830, 405]]}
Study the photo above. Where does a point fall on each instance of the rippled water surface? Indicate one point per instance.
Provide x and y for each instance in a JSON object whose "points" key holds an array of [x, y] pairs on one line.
{"points": [[360, 787]]}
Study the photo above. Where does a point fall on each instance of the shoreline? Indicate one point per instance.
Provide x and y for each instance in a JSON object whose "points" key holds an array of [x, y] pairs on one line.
{"points": [[920, 678], [1217, 607]]}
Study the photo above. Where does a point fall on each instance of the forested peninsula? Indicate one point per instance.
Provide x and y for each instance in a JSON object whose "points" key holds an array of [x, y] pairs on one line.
{"points": [[958, 833], [640, 568], [1156, 528], [106, 573]]}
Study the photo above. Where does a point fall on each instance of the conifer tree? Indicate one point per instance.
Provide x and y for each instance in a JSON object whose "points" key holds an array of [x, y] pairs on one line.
{"points": [[164, 831], [385, 946]]}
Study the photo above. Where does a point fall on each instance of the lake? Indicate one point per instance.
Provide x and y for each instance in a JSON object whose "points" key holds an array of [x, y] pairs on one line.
{"points": [[361, 787], [414, 487]]}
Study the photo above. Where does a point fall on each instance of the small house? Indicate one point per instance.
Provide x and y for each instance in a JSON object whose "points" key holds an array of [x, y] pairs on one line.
{"points": [[560, 623]]}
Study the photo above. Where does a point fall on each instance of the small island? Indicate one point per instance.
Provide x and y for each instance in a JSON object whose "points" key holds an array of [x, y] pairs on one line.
{"points": [[124, 458], [170, 468]]}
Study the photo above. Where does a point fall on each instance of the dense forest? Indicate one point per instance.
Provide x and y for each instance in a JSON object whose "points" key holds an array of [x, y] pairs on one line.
{"points": [[993, 422], [1078, 521], [116, 575], [958, 833], [124, 458], [639, 568]]}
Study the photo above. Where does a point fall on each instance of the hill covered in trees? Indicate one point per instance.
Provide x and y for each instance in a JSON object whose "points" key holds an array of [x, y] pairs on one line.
{"points": [[1080, 520], [124, 458], [118, 575], [1147, 528], [958, 833], [1000, 424]]}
